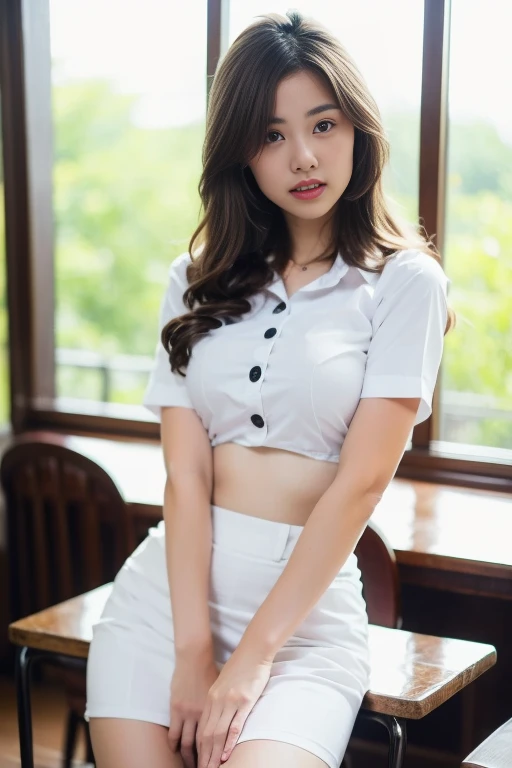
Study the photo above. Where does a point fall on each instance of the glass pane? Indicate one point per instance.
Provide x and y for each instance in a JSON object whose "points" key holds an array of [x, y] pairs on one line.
{"points": [[389, 60], [476, 391], [4, 356], [129, 106]]}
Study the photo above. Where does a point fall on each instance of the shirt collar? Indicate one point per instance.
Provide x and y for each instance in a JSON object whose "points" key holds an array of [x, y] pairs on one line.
{"points": [[329, 279]]}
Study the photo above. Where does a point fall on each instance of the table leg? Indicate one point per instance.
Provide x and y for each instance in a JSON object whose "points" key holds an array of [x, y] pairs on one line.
{"points": [[397, 729], [24, 660]]}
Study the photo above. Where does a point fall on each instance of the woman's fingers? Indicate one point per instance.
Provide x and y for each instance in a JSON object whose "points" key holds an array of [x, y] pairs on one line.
{"points": [[188, 739], [182, 737], [206, 731], [220, 734], [174, 732], [200, 731], [235, 729]]}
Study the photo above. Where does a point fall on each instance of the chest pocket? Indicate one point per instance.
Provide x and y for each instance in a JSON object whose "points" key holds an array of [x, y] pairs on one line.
{"points": [[338, 360]]}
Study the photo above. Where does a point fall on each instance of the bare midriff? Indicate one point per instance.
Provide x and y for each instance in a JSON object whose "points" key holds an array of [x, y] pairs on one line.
{"points": [[270, 483]]}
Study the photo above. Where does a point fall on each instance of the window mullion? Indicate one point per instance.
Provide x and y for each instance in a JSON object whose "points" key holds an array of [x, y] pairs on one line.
{"points": [[17, 240], [216, 15], [29, 219], [39, 127], [433, 143]]}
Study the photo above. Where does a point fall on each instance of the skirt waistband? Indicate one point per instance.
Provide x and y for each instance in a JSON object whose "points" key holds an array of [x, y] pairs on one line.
{"points": [[253, 535], [248, 535]]}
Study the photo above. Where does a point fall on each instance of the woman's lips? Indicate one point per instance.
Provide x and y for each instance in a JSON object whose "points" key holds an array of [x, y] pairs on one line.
{"points": [[309, 194]]}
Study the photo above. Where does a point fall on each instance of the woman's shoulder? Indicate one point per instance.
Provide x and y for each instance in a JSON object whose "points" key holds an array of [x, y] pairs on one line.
{"points": [[412, 268], [179, 264], [177, 278]]}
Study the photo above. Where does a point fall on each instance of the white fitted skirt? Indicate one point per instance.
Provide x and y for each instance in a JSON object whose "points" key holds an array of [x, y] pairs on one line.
{"points": [[318, 679]]}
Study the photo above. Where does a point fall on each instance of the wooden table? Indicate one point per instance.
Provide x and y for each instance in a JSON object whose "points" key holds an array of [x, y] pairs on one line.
{"points": [[412, 674]]}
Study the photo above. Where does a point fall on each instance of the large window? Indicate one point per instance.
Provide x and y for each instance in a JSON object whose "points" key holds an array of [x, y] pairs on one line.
{"points": [[109, 103], [129, 103], [476, 384]]}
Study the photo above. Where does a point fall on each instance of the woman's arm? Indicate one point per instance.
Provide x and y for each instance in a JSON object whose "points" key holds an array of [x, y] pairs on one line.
{"points": [[188, 531], [369, 457]]}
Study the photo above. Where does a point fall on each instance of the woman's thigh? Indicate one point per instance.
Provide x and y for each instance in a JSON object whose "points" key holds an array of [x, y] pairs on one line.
{"points": [[271, 754], [124, 743]]}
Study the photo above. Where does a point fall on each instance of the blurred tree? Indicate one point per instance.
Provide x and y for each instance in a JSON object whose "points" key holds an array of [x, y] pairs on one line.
{"points": [[126, 203]]}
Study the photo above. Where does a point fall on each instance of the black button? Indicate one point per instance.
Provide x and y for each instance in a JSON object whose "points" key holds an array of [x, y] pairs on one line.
{"points": [[257, 420], [271, 332], [255, 373], [279, 308]]}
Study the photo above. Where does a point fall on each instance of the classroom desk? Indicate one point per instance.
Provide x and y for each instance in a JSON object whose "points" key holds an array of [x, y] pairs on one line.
{"points": [[445, 537]]}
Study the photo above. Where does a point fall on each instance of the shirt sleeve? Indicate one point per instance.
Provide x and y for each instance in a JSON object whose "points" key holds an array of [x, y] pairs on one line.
{"points": [[165, 387], [409, 321]]}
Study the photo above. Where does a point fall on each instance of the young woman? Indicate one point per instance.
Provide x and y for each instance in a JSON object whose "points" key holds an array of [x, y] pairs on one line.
{"points": [[301, 338]]}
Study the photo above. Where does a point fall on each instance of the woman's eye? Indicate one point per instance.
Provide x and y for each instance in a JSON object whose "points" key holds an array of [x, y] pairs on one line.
{"points": [[324, 122], [276, 133], [272, 133]]}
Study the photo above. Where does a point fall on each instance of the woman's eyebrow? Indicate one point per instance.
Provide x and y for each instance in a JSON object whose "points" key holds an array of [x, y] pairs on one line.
{"points": [[309, 113]]}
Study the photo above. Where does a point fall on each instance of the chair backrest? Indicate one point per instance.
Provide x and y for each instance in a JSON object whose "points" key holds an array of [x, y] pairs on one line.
{"points": [[379, 574], [67, 523]]}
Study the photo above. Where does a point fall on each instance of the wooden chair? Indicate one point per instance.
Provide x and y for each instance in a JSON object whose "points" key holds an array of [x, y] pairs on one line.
{"points": [[68, 533], [494, 752]]}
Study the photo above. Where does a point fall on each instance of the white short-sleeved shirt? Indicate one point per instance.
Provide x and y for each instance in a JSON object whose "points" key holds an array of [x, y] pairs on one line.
{"points": [[290, 373]]}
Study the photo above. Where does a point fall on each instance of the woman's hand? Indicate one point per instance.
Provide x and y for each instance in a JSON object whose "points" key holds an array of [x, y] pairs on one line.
{"points": [[192, 679], [229, 703]]}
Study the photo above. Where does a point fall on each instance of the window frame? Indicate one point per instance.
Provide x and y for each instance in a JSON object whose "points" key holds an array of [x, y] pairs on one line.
{"points": [[25, 77]]}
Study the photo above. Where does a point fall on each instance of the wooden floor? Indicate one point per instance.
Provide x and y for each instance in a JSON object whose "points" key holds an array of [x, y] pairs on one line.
{"points": [[48, 718]]}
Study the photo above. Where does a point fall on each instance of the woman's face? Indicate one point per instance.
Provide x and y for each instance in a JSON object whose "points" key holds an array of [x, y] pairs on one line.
{"points": [[299, 147]]}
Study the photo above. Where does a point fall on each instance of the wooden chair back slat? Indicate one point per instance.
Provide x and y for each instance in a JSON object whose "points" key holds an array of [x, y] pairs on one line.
{"points": [[19, 548], [90, 531], [67, 523], [38, 529], [61, 532], [379, 574]]}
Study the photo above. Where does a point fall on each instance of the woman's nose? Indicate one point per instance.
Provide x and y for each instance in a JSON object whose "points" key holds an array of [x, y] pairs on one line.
{"points": [[303, 157]]}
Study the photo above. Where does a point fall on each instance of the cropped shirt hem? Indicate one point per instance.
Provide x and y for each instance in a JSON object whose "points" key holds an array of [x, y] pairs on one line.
{"points": [[334, 457]]}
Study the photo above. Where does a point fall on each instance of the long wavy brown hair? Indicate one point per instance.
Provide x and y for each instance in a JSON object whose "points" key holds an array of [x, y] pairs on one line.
{"points": [[240, 227]]}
